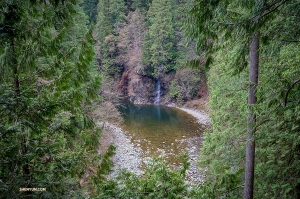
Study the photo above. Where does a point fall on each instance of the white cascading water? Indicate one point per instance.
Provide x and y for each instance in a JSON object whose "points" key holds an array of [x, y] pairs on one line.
{"points": [[157, 93]]}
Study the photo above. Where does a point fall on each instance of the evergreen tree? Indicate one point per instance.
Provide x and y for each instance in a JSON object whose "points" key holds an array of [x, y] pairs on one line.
{"points": [[104, 24], [117, 13], [158, 46], [90, 9], [111, 18], [159, 181], [130, 40], [224, 30], [142, 5], [185, 52], [278, 146], [47, 81]]}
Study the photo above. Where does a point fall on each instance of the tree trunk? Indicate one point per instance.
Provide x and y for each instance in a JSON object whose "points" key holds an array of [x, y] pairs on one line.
{"points": [[250, 147]]}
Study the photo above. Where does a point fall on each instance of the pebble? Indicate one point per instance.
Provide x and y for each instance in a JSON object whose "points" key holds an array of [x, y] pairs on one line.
{"points": [[129, 156]]}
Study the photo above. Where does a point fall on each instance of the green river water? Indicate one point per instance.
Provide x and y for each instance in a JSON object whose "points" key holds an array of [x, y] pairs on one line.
{"points": [[160, 129]]}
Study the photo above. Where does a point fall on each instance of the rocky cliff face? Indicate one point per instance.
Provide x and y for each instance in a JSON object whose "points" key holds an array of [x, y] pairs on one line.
{"points": [[176, 85], [138, 88], [142, 57]]}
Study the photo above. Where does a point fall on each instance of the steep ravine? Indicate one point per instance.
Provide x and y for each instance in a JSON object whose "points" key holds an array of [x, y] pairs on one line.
{"points": [[140, 88]]}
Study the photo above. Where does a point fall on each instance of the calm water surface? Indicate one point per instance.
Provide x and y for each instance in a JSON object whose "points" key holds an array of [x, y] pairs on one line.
{"points": [[160, 129]]}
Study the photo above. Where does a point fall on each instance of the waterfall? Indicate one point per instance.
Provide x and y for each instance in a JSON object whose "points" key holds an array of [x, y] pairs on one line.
{"points": [[158, 89], [157, 92]]}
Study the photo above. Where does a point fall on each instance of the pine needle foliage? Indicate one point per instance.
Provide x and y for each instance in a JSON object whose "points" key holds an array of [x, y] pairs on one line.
{"points": [[158, 181], [159, 51], [47, 79], [110, 19], [222, 30]]}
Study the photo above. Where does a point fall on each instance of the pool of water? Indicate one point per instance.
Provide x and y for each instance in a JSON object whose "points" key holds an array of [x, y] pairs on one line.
{"points": [[160, 129]]}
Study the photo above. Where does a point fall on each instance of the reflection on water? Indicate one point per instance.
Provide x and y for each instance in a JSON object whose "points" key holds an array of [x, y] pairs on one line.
{"points": [[158, 128]]}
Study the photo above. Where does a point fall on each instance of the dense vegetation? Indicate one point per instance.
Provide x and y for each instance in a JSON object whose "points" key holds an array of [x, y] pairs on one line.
{"points": [[130, 37], [51, 75], [261, 37], [47, 84]]}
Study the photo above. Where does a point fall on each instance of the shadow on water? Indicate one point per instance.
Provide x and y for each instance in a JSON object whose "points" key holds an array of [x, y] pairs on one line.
{"points": [[158, 129]]}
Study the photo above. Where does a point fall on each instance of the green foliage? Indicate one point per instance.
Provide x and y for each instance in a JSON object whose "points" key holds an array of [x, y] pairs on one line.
{"points": [[226, 184], [130, 41], [117, 13], [142, 5], [185, 84], [221, 30], [278, 157], [109, 64], [162, 44], [111, 17], [164, 48], [174, 89], [175, 92], [189, 81], [47, 80], [223, 147], [158, 181], [104, 25], [179, 12], [158, 47], [90, 9]]}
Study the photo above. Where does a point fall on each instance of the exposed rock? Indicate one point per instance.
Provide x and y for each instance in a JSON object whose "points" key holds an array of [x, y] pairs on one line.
{"points": [[127, 155], [131, 157], [201, 116], [138, 88]]}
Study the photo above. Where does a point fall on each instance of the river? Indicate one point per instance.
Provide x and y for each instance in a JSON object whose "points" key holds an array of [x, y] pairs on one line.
{"points": [[161, 130]]}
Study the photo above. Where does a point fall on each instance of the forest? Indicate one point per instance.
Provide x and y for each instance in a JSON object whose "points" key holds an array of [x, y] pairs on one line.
{"points": [[66, 67]]}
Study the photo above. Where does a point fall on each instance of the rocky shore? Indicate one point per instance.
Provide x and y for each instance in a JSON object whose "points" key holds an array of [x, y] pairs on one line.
{"points": [[202, 117], [195, 174], [127, 155], [131, 157]]}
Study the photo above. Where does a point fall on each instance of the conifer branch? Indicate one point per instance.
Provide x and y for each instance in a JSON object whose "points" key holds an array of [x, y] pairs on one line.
{"points": [[287, 93], [272, 10]]}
